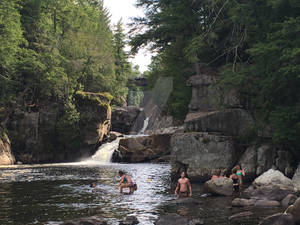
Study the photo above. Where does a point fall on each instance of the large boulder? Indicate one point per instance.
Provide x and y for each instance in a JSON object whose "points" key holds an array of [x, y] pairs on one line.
{"points": [[127, 120], [200, 154], [94, 220], [271, 185], [172, 219], [278, 219], [289, 200], [248, 161], [219, 186], [265, 158], [242, 202], [6, 156], [142, 149], [296, 179], [295, 211], [233, 122]]}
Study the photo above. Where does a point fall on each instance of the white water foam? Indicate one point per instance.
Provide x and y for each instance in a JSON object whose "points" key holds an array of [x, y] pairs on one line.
{"points": [[145, 126]]}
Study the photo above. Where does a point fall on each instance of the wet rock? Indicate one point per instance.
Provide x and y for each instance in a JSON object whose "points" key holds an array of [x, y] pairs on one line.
{"points": [[200, 154], [180, 201], [289, 200], [129, 220], [278, 219], [266, 203], [94, 220], [219, 186], [128, 119], [242, 202], [241, 215], [172, 219], [113, 135], [196, 222], [295, 211], [283, 162], [142, 149], [6, 156], [233, 122], [265, 158], [296, 179], [271, 185]]}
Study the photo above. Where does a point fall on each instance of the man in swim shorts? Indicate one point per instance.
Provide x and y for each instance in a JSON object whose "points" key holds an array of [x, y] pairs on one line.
{"points": [[184, 186]]}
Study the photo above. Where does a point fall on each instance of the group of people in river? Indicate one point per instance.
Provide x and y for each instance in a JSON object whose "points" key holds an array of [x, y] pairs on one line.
{"points": [[183, 187]]}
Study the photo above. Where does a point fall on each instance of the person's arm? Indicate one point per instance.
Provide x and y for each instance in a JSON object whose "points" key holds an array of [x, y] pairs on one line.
{"points": [[121, 181], [190, 187], [177, 187], [243, 172]]}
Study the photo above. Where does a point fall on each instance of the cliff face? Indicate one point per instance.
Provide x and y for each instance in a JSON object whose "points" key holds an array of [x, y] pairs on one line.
{"points": [[6, 157], [35, 136], [215, 130]]}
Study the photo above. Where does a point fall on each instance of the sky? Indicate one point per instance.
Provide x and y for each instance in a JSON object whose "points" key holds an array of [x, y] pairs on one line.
{"points": [[125, 9]]}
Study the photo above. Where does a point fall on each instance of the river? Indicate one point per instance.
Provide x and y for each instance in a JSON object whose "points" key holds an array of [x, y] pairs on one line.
{"points": [[49, 194]]}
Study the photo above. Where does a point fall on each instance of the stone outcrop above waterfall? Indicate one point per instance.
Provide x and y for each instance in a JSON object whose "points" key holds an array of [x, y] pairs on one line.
{"points": [[142, 149], [201, 153], [95, 117], [6, 157], [128, 120]]}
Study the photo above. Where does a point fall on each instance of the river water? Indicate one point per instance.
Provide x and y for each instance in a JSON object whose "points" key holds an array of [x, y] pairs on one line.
{"points": [[49, 194]]}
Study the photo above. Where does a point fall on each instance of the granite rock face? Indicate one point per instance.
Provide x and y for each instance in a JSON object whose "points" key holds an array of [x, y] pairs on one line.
{"points": [[296, 179], [142, 149], [233, 122], [199, 154], [219, 186], [6, 156]]}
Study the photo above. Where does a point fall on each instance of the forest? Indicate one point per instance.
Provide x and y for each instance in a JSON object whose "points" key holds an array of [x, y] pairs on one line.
{"points": [[253, 46], [49, 50]]}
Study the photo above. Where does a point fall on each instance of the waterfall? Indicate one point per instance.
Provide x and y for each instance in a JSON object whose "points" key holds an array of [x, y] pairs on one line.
{"points": [[104, 152], [145, 125]]}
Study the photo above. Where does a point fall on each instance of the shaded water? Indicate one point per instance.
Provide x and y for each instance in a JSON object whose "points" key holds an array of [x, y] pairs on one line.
{"points": [[49, 194]]}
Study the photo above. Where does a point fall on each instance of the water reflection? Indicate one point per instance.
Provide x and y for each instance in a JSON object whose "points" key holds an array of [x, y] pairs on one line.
{"points": [[48, 194]]}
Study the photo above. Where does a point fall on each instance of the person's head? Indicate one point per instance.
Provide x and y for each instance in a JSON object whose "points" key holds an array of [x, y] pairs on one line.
{"points": [[93, 185], [238, 167], [218, 172], [121, 173], [234, 170], [182, 174]]}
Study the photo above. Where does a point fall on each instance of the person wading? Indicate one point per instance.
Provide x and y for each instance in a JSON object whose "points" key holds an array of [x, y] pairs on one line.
{"points": [[184, 186], [126, 182]]}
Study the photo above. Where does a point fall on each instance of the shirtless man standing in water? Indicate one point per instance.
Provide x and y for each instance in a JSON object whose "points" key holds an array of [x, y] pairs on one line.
{"points": [[184, 186]]}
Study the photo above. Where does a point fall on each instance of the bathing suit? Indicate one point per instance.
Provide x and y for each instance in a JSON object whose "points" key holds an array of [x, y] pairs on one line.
{"points": [[235, 184], [239, 173], [183, 194], [125, 179]]}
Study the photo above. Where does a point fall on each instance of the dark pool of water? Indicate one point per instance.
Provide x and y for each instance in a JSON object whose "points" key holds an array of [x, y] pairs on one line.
{"points": [[49, 194]]}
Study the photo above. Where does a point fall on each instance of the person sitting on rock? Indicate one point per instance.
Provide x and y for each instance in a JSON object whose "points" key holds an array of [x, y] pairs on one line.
{"points": [[184, 186], [217, 174], [240, 173], [126, 182], [235, 181]]}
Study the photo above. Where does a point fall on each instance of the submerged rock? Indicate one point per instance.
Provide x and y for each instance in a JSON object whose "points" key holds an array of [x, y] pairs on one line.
{"points": [[94, 220], [266, 203], [219, 186], [201, 153], [289, 200], [172, 219], [241, 202], [129, 220], [196, 222], [278, 219], [295, 210], [241, 215], [184, 201]]}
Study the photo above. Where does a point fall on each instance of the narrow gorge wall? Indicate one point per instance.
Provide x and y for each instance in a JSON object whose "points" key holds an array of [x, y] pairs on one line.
{"points": [[6, 156]]}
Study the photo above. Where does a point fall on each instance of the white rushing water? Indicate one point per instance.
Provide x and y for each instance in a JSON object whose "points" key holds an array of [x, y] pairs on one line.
{"points": [[145, 125], [106, 151]]}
